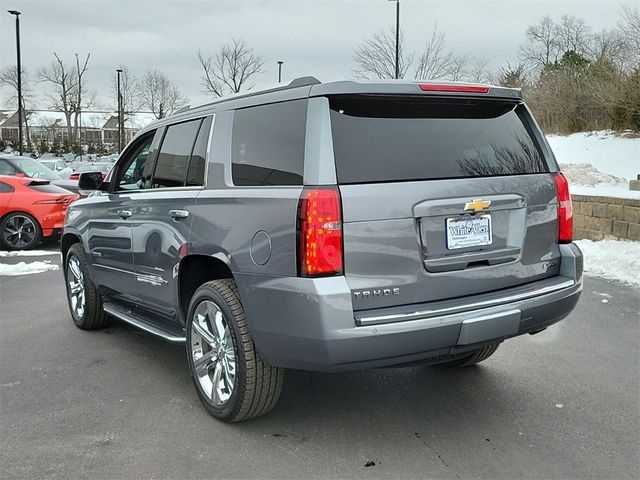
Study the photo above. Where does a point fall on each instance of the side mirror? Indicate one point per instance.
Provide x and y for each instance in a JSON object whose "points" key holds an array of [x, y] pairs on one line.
{"points": [[91, 181]]}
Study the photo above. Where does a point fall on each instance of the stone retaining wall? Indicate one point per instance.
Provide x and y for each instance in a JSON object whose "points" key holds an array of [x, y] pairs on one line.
{"points": [[598, 218]]}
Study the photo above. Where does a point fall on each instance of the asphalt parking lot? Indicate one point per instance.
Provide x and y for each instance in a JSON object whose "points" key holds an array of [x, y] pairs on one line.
{"points": [[118, 403]]}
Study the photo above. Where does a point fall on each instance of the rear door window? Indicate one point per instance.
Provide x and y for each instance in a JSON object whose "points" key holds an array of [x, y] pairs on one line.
{"points": [[389, 139], [175, 152], [268, 144]]}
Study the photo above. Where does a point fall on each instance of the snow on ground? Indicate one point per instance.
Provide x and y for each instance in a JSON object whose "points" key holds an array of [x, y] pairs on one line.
{"points": [[612, 259], [23, 268], [603, 191], [598, 163], [28, 253], [607, 152]]}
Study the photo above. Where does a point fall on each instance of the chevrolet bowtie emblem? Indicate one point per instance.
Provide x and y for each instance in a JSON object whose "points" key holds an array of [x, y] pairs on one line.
{"points": [[477, 205]]}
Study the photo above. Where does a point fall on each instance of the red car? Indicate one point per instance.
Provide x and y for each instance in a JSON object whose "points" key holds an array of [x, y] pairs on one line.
{"points": [[30, 209]]}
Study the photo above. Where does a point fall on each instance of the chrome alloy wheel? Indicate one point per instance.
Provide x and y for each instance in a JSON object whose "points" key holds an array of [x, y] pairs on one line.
{"points": [[212, 353], [19, 231], [75, 285]]}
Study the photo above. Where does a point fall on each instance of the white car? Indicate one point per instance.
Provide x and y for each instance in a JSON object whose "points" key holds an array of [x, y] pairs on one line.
{"points": [[59, 166]]}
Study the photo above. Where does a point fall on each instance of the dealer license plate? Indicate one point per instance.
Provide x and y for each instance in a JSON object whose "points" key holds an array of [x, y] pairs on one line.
{"points": [[467, 231]]}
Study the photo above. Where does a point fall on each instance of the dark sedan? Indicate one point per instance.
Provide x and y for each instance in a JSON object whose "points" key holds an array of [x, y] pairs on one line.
{"points": [[28, 167]]}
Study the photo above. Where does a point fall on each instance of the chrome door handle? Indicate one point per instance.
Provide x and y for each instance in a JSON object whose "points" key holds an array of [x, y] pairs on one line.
{"points": [[124, 213], [178, 214]]}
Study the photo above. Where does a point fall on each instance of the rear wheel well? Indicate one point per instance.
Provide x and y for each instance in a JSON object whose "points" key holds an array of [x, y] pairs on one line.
{"points": [[196, 270], [68, 239]]}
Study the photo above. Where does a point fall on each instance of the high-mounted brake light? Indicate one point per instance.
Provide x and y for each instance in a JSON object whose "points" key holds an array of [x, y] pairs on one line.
{"points": [[565, 209], [433, 87], [319, 232]]}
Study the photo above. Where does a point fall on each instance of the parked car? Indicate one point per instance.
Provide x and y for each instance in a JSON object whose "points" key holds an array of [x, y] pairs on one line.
{"points": [[28, 167], [328, 227], [57, 165], [102, 167], [30, 210]]}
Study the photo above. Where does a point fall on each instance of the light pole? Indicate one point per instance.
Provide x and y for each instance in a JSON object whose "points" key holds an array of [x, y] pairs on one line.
{"points": [[397, 37], [119, 70], [20, 112], [280, 62]]}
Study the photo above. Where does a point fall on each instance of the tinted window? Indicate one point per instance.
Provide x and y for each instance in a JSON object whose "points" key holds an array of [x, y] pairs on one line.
{"points": [[6, 168], [268, 144], [5, 188], [132, 172], [394, 139], [173, 160], [34, 169], [195, 175]]}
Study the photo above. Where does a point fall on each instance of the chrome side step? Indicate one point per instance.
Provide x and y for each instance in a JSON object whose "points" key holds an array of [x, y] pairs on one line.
{"points": [[137, 321]]}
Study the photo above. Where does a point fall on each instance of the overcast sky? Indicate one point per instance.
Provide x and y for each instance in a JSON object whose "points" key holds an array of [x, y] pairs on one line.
{"points": [[312, 37]]}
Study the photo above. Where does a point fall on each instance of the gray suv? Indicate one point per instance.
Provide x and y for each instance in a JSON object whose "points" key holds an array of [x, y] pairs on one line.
{"points": [[328, 227]]}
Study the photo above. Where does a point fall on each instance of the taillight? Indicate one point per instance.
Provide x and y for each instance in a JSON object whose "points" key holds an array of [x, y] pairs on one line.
{"points": [[565, 209], [433, 87], [57, 201], [319, 232]]}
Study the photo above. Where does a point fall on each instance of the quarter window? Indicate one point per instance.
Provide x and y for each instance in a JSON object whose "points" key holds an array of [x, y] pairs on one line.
{"points": [[175, 152], [195, 175], [5, 188], [268, 144]]}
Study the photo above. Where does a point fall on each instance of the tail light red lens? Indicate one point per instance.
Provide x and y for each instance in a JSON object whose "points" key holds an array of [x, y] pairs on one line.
{"points": [[565, 209], [59, 201], [319, 233]]}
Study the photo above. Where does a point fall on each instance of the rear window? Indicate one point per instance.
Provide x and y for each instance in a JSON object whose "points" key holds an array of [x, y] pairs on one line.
{"points": [[268, 144], [387, 139]]}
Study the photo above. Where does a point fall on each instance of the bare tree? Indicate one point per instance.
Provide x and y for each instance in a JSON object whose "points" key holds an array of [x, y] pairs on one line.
{"points": [[459, 69], [376, 57], [130, 91], [629, 27], [160, 95], [80, 70], [573, 34], [231, 69], [609, 45], [479, 71], [9, 78], [62, 94], [436, 60], [542, 47]]}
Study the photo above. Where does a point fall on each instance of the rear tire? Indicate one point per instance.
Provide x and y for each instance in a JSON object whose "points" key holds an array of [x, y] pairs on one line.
{"points": [[474, 358], [84, 300], [20, 231], [231, 379]]}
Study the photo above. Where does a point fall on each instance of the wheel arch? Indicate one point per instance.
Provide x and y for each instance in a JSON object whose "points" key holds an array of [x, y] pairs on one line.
{"points": [[194, 271], [66, 241]]}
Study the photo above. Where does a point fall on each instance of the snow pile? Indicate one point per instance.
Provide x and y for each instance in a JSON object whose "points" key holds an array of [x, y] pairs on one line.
{"points": [[587, 175], [23, 268], [28, 253], [612, 259]]}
